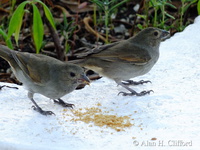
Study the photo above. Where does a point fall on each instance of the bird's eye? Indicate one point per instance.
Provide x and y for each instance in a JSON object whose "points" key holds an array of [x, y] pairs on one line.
{"points": [[155, 33], [72, 74]]}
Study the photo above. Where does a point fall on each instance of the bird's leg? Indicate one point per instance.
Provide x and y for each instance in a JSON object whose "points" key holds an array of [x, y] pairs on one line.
{"points": [[37, 108], [131, 82], [132, 91], [62, 103]]}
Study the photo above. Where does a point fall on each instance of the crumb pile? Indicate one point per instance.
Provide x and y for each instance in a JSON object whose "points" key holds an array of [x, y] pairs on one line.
{"points": [[101, 118]]}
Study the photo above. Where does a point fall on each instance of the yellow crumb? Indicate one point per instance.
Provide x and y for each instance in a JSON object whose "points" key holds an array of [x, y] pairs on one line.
{"points": [[98, 104], [101, 118]]}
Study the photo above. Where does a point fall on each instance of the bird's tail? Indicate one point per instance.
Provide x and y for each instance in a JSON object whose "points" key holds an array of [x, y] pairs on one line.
{"points": [[5, 52]]}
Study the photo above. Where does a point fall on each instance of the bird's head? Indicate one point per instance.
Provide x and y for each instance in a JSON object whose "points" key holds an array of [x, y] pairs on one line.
{"points": [[152, 36], [76, 74]]}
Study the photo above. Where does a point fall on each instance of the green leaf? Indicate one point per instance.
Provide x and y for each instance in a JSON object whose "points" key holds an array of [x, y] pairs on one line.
{"points": [[142, 16], [117, 5], [100, 4], [140, 26], [18, 30], [8, 42], [13, 2], [152, 3], [188, 5], [38, 29], [198, 7], [172, 6], [48, 14], [169, 15], [16, 21]]}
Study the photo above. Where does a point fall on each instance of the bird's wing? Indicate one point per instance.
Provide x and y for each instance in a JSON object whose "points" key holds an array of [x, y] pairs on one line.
{"points": [[30, 68], [95, 50], [135, 54]]}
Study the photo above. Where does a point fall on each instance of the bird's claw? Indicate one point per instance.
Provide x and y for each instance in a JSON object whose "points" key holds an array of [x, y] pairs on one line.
{"points": [[69, 105], [38, 109], [135, 93], [142, 81], [145, 92], [64, 104]]}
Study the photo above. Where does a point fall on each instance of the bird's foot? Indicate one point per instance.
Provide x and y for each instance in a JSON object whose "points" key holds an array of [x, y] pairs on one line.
{"points": [[38, 109], [64, 104], [134, 93], [131, 82]]}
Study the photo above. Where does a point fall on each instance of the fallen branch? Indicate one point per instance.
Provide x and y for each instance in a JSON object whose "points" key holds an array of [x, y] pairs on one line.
{"points": [[59, 49], [86, 21]]}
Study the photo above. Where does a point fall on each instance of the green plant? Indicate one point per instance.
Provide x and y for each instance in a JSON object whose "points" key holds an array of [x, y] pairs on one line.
{"points": [[144, 17], [37, 27], [5, 37], [160, 5], [13, 2], [185, 5], [159, 16], [67, 30], [198, 7], [107, 7], [95, 16]]}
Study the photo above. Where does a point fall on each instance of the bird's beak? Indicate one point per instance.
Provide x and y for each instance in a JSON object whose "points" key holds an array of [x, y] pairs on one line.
{"points": [[165, 35], [84, 80]]}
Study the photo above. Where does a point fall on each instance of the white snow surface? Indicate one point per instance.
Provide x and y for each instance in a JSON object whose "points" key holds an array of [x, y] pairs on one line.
{"points": [[170, 115]]}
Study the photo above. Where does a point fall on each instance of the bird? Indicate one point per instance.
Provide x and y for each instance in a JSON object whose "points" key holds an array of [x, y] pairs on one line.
{"points": [[45, 75], [126, 59]]}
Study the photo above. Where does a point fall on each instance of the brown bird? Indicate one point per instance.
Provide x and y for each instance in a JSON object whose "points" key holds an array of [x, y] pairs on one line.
{"points": [[126, 59], [44, 75]]}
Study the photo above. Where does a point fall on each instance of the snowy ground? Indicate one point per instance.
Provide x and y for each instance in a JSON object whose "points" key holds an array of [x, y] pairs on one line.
{"points": [[170, 115]]}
